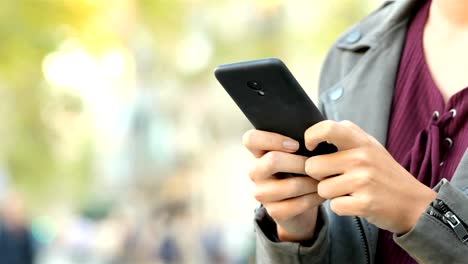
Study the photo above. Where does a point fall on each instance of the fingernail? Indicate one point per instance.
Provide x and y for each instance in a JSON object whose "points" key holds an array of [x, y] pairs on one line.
{"points": [[291, 144]]}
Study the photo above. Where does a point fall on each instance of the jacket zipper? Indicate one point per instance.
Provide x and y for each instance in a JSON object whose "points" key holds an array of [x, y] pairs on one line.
{"points": [[363, 238], [440, 210]]}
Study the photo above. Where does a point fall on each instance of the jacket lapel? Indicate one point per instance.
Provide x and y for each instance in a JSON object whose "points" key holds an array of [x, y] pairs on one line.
{"points": [[364, 94]]}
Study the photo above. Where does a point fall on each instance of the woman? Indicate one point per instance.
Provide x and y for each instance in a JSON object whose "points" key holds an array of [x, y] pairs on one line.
{"points": [[400, 77]]}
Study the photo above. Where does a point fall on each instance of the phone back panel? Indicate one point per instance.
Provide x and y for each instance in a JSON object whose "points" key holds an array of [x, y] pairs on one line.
{"points": [[276, 104]]}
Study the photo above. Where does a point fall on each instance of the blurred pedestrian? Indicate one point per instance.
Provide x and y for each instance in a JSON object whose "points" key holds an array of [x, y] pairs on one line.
{"points": [[16, 243]]}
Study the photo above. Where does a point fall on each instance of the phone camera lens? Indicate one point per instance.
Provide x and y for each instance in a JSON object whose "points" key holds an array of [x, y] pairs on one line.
{"points": [[254, 85]]}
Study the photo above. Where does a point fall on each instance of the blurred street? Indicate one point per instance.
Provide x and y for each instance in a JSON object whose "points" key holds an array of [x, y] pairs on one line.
{"points": [[117, 145]]}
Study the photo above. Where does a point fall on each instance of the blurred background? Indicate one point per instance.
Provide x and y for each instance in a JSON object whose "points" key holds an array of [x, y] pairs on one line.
{"points": [[117, 145]]}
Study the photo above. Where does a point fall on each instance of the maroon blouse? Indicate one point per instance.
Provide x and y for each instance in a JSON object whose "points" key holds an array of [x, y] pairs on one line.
{"points": [[426, 136]]}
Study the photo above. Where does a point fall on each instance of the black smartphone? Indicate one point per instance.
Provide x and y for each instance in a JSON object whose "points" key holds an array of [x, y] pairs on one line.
{"points": [[272, 100]]}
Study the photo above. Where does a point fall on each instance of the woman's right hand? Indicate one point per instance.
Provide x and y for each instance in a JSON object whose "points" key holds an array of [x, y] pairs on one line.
{"points": [[291, 202]]}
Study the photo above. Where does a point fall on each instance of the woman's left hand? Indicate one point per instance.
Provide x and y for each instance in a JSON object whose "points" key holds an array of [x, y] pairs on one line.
{"points": [[362, 178]]}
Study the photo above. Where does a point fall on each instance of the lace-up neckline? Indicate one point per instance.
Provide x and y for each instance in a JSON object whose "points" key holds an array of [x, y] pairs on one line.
{"points": [[425, 135]]}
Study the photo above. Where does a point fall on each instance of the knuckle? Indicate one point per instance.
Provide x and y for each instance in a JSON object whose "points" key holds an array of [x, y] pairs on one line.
{"points": [[367, 141], [309, 166], [271, 160], [363, 179], [327, 127], [364, 204], [336, 208], [307, 136], [361, 158], [347, 123], [294, 186], [328, 123], [259, 195], [305, 203], [252, 173], [308, 133], [248, 139], [322, 190], [331, 125], [322, 128]]}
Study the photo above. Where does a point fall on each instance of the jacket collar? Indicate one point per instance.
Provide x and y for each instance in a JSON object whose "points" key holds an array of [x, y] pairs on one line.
{"points": [[378, 40], [370, 31]]}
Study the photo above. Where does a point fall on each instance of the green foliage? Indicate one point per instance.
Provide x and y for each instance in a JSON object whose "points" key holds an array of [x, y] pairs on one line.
{"points": [[29, 30]]}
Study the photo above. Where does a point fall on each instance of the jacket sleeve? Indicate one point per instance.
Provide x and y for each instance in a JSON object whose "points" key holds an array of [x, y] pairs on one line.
{"points": [[433, 241], [270, 250]]}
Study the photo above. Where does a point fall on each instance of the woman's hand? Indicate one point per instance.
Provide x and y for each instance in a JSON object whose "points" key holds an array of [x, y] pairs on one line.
{"points": [[362, 178], [291, 202]]}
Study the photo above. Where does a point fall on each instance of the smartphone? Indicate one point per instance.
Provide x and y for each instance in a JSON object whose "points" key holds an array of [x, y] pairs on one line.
{"points": [[272, 100]]}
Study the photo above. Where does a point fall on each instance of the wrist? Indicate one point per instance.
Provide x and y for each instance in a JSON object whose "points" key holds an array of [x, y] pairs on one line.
{"points": [[301, 228], [418, 207]]}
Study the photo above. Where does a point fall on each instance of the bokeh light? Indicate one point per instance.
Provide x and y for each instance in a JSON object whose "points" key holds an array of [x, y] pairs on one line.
{"points": [[118, 138], [43, 229]]}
